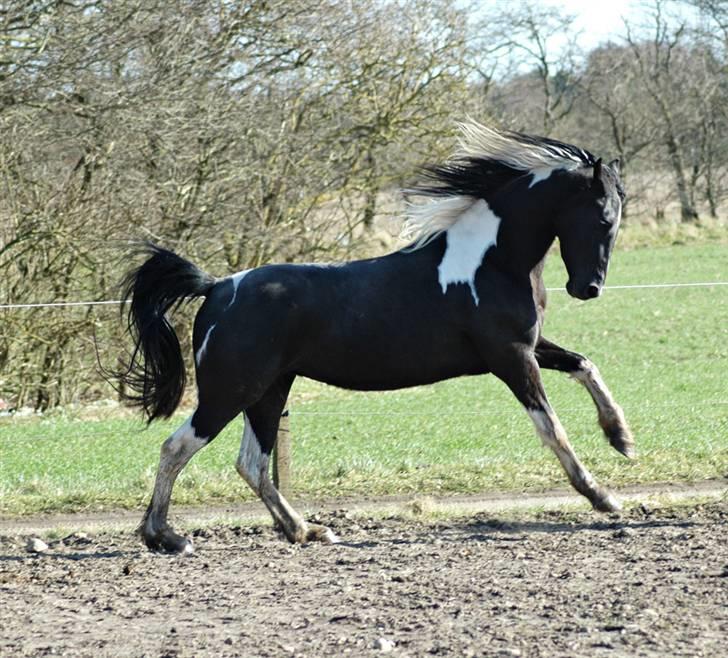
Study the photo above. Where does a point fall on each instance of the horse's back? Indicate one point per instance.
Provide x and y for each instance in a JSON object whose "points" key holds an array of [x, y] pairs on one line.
{"points": [[356, 325]]}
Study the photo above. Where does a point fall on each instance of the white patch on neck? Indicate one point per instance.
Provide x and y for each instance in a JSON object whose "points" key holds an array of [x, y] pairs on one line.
{"points": [[467, 240], [203, 347], [539, 174], [236, 279]]}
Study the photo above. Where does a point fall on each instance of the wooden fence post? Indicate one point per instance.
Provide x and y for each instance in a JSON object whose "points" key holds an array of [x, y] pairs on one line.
{"points": [[282, 458]]}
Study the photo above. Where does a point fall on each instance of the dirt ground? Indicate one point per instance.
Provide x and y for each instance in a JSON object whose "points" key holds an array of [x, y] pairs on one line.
{"points": [[653, 582]]}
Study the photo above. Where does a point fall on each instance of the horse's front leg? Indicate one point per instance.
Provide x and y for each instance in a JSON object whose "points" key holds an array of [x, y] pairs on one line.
{"points": [[611, 417], [520, 371]]}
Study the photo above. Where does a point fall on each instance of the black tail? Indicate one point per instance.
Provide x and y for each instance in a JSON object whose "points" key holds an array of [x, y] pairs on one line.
{"points": [[155, 374]]}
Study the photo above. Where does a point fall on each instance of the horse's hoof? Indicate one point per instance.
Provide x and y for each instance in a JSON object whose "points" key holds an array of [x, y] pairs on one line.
{"points": [[606, 502], [321, 534], [629, 451], [621, 440], [166, 541], [619, 437]]}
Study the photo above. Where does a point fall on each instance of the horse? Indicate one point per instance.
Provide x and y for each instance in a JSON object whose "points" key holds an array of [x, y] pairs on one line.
{"points": [[465, 297]]}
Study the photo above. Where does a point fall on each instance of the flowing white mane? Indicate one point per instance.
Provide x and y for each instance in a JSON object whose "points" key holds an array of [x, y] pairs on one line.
{"points": [[519, 151], [477, 144], [425, 221]]}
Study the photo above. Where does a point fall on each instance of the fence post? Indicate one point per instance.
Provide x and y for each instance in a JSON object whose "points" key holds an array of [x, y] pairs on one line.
{"points": [[282, 457]]}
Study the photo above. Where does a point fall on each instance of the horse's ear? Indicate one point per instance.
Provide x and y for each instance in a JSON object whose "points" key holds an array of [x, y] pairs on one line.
{"points": [[598, 170], [615, 165]]}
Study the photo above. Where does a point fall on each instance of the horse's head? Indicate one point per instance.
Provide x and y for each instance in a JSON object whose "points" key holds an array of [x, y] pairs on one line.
{"points": [[587, 227]]}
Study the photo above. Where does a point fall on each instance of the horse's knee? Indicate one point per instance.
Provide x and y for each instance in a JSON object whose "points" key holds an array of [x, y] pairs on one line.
{"points": [[585, 371]]}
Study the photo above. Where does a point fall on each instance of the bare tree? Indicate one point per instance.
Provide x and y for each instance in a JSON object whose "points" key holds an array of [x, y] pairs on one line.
{"points": [[539, 46], [660, 67], [237, 132]]}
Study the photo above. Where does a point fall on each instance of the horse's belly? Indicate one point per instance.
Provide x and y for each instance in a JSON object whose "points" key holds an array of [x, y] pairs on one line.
{"points": [[385, 366]]}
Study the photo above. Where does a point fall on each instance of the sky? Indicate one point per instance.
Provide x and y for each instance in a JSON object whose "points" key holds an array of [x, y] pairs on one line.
{"points": [[597, 19], [595, 22]]}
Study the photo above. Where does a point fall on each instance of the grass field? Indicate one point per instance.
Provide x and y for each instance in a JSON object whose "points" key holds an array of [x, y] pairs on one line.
{"points": [[664, 354]]}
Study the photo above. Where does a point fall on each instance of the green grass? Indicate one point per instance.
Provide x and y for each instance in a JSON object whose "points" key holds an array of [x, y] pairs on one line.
{"points": [[663, 353]]}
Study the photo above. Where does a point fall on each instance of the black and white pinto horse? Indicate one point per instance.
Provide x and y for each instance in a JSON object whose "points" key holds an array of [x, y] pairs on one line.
{"points": [[465, 298]]}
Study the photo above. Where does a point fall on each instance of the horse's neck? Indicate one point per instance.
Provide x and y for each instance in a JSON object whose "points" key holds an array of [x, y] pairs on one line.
{"points": [[526, 229]]}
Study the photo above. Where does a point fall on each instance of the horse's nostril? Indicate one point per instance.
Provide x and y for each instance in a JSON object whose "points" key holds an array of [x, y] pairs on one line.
{"points": [[592, 290]]}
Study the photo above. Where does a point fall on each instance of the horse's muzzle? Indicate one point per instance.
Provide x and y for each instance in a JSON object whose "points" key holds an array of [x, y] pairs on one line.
{"points": [[589, 291]]}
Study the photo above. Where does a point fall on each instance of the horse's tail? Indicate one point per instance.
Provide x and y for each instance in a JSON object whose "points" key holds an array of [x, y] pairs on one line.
{"points": [[155, 378]]}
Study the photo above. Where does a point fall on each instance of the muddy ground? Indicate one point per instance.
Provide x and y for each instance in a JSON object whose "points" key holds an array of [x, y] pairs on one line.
{"points": [[651, 583]]}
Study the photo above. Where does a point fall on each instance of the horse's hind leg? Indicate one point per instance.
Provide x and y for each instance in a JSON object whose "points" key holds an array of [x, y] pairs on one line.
{"points": [[522, 375], [176, 451], [259, 437], [611, 417], [195, 433]]}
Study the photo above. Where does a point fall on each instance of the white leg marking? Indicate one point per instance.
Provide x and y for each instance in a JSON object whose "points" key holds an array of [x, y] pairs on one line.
{"points": [[468, 239], [251, 463], [203, 347], [548, 426], [609, 411], [236, 279], [590, 377], [611, 416], [176, 451], [179, 448], [553, 435]]}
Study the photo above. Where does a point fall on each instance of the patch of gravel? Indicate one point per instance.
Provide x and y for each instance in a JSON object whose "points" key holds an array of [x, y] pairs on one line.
{"points": [[653, 582]]}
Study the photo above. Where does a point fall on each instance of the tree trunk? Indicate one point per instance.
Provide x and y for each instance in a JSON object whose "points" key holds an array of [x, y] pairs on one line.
{"points": [[687, 210]]}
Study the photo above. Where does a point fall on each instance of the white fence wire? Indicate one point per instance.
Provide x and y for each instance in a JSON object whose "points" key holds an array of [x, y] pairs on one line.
{"points": [[637, 286], [634, 286]]}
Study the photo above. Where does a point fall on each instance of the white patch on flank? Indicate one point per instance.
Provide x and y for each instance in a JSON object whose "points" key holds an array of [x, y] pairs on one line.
{"points": [[468, 239], [203, 347], [542, 173], [250, 459], [236, 279]]}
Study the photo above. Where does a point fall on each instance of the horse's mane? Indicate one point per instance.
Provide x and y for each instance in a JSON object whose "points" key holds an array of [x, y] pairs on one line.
{"points": [[486, 159]]}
